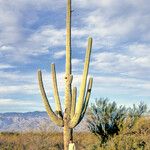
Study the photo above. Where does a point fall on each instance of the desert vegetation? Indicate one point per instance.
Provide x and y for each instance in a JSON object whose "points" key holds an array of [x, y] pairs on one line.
{"points": [[119, 127], [111, 127], [107, 119], [136, 138], [128, 129], [43, 141]]}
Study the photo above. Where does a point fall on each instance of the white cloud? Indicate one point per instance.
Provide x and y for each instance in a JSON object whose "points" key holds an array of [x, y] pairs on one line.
{"points": [[139, 50], [116, 86], [60, 54], [14, 102], [77, 62], [40, 42], [95, 3], [18, 83], [6, 48], [107, 27], [48, 36], [21, 89], [35, 4], [124, 22], [16, 36], [134, 62], [17, 77], [9, 24], [5, 66]]}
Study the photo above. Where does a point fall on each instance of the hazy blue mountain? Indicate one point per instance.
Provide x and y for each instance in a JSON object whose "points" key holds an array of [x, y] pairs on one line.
{"points": [[31, 121]]}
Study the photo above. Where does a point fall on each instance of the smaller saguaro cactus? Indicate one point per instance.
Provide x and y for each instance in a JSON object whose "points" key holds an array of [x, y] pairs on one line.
{"points": [[73, 112]]}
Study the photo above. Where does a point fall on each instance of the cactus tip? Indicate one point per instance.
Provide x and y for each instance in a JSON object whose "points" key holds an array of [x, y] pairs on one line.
{"points": [[39, 71], [91, 78], [90, 38]]}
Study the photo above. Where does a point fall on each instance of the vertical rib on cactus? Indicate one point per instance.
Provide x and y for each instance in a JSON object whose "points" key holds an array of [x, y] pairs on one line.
{"points": [[73, 103], [87, 97], [55, 91], [73, 113], [50, 112], [68, 38], [68, 79], [68, 76]]}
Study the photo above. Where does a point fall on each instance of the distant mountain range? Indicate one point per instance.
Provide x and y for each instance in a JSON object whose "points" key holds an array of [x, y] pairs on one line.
{"points": [[31, 121]]}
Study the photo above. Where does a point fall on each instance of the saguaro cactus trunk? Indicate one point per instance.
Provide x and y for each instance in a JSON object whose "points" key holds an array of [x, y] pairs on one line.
{"points": [[73, 113]]}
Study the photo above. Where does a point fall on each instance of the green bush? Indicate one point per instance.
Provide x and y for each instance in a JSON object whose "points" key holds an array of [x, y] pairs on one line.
{"points": [[106, 119]]}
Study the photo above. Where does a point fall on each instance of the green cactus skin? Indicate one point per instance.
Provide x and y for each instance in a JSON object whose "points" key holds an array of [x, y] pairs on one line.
{"points": [[73, 103], [49, 110], [55, 91], [73, 113]]}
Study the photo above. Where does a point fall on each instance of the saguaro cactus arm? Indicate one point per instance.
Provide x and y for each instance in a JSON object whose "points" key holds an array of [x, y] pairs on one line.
{"points": [[76, 117], [87, 97], [52, 115], [73, 102], [55, 91]]}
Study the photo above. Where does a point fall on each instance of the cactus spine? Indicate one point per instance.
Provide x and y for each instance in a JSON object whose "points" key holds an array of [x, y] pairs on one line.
{"points": [[73, 113]]}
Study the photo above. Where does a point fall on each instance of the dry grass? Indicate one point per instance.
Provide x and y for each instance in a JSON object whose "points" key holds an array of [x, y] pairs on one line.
{"points": [[43, 141], [137, 138]]}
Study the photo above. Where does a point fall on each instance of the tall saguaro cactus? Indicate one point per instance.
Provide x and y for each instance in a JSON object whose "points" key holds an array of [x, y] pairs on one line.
{"points": [[73, 112]]}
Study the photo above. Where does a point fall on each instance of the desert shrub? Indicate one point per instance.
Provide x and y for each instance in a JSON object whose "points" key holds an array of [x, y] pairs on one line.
{"points": [[106, 119], [136, 112], [135, 138]]}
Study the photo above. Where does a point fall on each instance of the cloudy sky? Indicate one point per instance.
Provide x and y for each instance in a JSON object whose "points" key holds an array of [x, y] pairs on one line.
{"points": [[32, 36]]}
